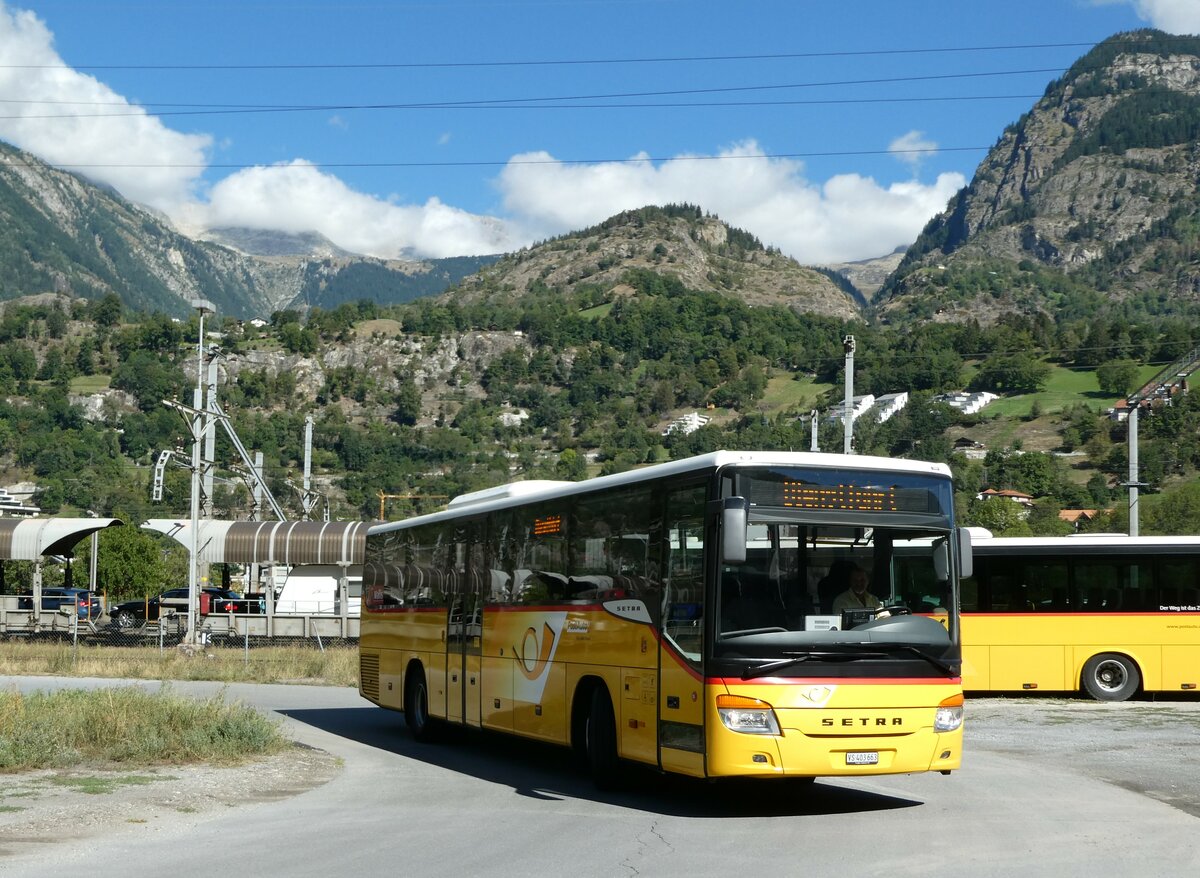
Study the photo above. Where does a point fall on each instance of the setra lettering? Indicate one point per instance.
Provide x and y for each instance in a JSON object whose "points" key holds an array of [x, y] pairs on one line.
{"points": [[854, 722]]}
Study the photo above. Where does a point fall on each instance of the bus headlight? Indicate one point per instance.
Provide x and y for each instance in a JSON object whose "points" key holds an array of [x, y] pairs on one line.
{"points": [[747, 715], [949, 714]]}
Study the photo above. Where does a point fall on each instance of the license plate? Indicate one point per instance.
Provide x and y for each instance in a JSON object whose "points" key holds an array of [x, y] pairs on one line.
{"points": [[871, 758]]}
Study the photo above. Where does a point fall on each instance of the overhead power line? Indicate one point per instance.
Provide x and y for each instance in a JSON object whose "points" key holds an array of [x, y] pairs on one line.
{"points": [[569, 62], [549, 100], [497, 162]]}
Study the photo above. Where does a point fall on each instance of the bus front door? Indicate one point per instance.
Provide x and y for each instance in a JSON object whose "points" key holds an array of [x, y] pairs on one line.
{"points": [[681, 683]]}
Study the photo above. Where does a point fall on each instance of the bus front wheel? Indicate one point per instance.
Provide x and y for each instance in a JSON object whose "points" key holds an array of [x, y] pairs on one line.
{"points": [[600, 740], [416, 706], [1111, 677]]}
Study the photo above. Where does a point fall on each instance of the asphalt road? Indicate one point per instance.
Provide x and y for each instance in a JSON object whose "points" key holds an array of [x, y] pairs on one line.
{"points": [[1049, 788]]}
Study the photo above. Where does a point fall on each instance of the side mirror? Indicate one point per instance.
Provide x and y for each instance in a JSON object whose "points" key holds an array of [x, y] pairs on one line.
{"points": [[941, 560], [734, 516], [966, 560]]}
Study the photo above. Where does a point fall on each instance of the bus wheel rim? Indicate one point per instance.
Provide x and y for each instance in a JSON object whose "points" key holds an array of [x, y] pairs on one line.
{"points": [[1111, 675]]}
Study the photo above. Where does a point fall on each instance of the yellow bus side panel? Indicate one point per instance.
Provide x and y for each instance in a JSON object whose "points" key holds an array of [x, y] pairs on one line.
{"points": [[1029, 667], [824, 721], [1002, 652], [548, 650], [1180, 667], [545, 716], [636, 708], [683, 762], [498, 693], [391, 679]]}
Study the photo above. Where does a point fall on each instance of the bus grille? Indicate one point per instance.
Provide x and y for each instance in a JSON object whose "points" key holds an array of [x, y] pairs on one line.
{"points": [[368, 675]]}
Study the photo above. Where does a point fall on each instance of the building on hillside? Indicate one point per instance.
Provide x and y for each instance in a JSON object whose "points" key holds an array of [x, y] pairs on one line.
{"points": [[967, 403], [1023, 499], [686, 424], [969, 448], [890, 404], [1078, 517], [11, 507], [861, 404]]}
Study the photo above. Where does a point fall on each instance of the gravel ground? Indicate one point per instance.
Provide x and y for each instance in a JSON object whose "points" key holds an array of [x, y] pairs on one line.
{"points": [[42, 807], [1149, 747]]}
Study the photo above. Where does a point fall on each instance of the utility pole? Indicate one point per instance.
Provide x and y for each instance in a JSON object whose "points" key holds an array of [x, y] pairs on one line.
{"points": [[813, 420], [1132, 426], [202, 306], [848, 413], [1161, 387], [210, 438]]}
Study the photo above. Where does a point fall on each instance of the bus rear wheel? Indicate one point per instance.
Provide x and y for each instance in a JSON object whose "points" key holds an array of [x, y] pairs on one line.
{"points": [[416, 706], [600, 740], [1111, 677]]}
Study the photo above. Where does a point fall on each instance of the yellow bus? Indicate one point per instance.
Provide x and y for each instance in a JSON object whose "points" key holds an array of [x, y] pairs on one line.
{"points": [[682, 616], [1108, 615]]}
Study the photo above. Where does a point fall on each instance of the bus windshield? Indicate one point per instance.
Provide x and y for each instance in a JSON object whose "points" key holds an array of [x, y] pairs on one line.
{"points": [[840, 567]]}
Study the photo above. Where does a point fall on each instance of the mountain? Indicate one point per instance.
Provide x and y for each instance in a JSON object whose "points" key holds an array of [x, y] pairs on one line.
{"points": [[1090, 197], [61, 233], [868, 276], [267, 242], [703, 252]]}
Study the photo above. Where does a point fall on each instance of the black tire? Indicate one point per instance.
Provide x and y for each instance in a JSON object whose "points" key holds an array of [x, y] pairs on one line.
{"points": [[600, 741], [416, 707], [1111, 677]]}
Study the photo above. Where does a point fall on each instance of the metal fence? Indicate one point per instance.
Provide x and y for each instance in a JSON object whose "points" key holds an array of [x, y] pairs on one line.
{"points": [[259, 647]]}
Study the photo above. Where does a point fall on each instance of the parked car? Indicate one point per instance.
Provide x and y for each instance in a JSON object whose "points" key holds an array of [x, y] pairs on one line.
{"points": [[130, 614], [60, 598]]}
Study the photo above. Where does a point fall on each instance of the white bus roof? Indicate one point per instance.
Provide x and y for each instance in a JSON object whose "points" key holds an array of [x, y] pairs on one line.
{"points": [[1081, 542], [514, 492]]}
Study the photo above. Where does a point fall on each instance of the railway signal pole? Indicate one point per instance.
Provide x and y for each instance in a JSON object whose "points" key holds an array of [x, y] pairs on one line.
{"points": [[199, 429]]}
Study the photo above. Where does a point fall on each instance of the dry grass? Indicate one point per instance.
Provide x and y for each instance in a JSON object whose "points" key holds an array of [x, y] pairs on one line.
{"points": [[128, 726], [333, 666]]}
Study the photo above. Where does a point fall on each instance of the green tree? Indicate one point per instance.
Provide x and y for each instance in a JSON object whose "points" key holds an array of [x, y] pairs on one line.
{"points": [[407, 402], [132, 563], [1117, 377], [1002, 517], [1011, 373]]}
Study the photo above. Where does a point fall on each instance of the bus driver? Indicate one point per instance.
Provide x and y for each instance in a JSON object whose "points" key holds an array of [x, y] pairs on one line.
{"points": [[856, 597]]}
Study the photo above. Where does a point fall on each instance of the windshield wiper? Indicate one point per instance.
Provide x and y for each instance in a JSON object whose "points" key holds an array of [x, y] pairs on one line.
{"points": [[799, 657], [852, 652], [908, 647]]}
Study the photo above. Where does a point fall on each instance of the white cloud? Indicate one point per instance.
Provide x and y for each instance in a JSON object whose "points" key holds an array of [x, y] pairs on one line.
{"points": [[849, 217], [1172, 16], [912, 148], [65, 115], [299, 197]]}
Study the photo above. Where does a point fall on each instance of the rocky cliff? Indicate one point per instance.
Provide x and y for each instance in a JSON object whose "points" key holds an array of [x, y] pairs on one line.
{"points": [[1094, 190]]}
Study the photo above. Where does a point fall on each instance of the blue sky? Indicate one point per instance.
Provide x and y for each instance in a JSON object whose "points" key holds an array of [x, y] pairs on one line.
{"points": [[477, 126]]}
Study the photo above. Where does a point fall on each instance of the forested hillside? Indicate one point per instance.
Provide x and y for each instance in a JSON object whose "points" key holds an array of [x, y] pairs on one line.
{"points": [[436, 398]]}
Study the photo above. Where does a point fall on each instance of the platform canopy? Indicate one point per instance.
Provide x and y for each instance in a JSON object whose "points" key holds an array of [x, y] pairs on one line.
{"points": [[271, 542], [29, 539]]}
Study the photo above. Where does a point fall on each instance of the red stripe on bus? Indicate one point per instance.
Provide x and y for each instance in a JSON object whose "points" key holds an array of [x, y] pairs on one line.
{"points": [[392, 611], [1097, 614], [738, 682], [541, 608]]}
